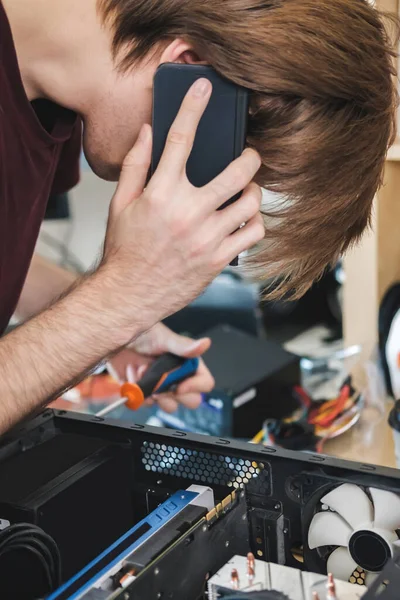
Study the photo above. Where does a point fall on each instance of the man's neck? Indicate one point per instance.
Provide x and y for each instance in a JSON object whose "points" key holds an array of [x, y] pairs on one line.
{"points": [[53, 41]]}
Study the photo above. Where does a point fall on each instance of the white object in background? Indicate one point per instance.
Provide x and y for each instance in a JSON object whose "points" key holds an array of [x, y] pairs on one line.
{"points": [[393, 355]]}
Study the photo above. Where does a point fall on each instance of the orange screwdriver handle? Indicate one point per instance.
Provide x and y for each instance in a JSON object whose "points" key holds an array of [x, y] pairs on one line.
{"points": [[133, 394]]}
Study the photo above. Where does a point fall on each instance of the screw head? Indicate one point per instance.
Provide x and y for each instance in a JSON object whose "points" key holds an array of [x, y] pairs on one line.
{"points": [[285, 531], [226, 543], [156, 571], [244, 518], [277, 506]]}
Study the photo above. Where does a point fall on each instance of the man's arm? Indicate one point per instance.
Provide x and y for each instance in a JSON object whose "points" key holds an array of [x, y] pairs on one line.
{"points": [[45, 282], [51, 351]]}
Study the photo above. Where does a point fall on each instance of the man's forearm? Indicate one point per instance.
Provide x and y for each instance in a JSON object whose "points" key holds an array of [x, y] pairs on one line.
{"points": [[45, 355], [45, 282]]}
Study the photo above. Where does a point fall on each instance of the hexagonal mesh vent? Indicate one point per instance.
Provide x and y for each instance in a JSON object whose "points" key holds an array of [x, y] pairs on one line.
{"points": [[213, 469]]}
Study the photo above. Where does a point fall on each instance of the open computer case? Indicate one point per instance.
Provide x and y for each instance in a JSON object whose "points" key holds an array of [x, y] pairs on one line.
{"points": [[97, 478]]}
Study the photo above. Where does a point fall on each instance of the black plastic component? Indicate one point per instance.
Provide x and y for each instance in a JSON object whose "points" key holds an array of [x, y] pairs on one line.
{"points": [[76, 488], [221, 134], [389, 307], [386, 586], [171, 532], [240, 363], [394, 417], [230, 300], [369, 550]]}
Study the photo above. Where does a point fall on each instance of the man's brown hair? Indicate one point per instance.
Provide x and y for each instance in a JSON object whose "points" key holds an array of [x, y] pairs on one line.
{"points": [[322, 113]]}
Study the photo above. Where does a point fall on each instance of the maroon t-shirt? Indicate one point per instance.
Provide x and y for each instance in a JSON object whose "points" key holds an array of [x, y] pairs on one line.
{"points": [[39, 154]]}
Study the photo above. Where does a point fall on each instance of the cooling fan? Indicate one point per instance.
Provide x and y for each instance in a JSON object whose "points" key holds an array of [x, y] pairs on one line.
{"points": [[362, 524]]}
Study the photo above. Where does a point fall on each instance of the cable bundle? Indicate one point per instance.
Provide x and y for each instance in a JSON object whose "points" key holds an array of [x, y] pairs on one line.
{"points": [[315, 422], [29, 540]]}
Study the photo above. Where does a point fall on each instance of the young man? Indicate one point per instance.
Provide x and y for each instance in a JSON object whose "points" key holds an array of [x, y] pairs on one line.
{"points": [[321, 120]]}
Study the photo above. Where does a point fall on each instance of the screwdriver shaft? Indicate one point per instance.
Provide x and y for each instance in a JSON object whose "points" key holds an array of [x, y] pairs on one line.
{"points": [[114, 406]]}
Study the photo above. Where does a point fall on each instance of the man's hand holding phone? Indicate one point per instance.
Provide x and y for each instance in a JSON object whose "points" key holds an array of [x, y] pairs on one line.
{"points": [[165, 243]]}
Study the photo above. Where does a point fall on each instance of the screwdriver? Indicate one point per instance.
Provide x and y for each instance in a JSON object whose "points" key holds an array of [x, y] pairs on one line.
{"points": [[162, 376]]}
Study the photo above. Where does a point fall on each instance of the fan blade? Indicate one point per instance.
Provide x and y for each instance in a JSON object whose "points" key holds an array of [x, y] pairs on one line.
{"points": [[328, 529], [370, 578], [340, 564], [352, 504], [387, 509]]}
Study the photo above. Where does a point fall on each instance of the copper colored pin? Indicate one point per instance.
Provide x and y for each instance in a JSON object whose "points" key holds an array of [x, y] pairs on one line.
{"points": [[251, 566], [331, 587], [235, 579], [250, 574], [315, 596], [251, 561]]}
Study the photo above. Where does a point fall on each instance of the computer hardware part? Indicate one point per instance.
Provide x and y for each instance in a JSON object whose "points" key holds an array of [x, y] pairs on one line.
{"points": [[229, 299], [208, 543], [277, 495], [254, 381], [354, 531], [65, 486], [99, 573], [290, 583]]}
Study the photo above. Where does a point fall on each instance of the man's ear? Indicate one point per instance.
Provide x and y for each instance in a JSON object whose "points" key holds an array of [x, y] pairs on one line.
{"points": [[180, 51]]}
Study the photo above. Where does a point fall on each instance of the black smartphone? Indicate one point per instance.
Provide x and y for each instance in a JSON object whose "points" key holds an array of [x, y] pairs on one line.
{"points": [[221, 134]]}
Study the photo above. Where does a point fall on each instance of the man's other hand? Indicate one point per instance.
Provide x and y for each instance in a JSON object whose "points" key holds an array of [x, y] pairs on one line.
{"points": [[133, 362]]}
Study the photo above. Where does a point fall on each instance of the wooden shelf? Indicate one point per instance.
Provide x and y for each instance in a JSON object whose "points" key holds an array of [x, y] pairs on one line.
{"points": [[374, 265]]}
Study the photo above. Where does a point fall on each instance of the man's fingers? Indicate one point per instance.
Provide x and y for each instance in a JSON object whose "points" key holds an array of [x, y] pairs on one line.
{"points": [[184, 346], [241, 211], [243, 239], [134, 171], [202, 382], [170, 402], [235, 178], [183, 131], [166, 402], [191, 401]]}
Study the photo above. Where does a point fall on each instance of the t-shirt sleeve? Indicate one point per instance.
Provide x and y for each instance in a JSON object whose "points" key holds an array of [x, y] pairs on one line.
{"points": [[68, 171]]}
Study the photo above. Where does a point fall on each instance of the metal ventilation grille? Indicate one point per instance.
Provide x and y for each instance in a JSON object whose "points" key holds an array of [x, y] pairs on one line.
{"points": [[212, 469]]}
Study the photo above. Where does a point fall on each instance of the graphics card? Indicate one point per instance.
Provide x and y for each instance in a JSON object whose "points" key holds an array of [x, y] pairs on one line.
{"points": [[97, 578]]}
